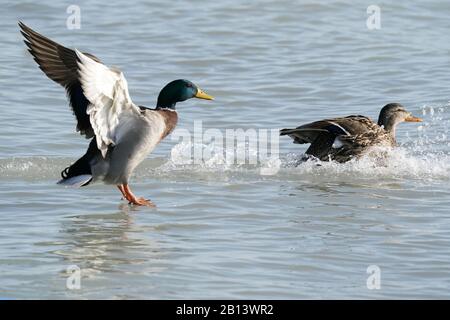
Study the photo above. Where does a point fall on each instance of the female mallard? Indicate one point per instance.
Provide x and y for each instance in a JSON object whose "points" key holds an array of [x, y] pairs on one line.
{"points": [[342, 139], [122, 133]]}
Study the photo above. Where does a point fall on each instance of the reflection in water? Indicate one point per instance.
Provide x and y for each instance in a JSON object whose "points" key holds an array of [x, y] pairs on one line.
{"points": [[101, 243]]}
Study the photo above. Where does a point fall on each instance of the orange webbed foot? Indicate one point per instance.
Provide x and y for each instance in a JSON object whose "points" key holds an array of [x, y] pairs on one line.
{"points": [[143, 202], [132, 199]]}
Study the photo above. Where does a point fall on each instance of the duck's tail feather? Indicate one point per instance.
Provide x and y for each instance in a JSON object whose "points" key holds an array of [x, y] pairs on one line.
{"points": [[79, 174], [302, 135], [76, 181], [284, 132]]}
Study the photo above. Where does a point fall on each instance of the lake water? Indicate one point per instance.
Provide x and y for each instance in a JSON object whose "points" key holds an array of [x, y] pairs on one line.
{"points": [[223, 230]]}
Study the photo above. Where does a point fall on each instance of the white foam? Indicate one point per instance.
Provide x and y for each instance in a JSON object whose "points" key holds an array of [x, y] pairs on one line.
{"points": [[401, 162], [424, 154]]}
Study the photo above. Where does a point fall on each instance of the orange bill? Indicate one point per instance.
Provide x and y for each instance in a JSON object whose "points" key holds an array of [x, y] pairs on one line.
{"points": [[413, 119]]}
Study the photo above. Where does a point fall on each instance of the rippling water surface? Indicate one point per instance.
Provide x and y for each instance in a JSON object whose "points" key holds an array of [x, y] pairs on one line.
{"points": [[222, 230]]}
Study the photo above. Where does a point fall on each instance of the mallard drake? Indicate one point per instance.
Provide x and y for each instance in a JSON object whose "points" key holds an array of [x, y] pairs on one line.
{"points": [[122, 133], [342, 139]]}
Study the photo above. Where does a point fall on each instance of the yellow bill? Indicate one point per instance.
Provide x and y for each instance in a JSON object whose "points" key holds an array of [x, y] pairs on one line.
{"points": [[203, 95]]}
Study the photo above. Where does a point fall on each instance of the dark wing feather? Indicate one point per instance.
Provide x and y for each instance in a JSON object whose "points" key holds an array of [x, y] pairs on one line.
{"points": [[355, 134], [302, 135], [60, 64], [309, 132], [347, 126]]}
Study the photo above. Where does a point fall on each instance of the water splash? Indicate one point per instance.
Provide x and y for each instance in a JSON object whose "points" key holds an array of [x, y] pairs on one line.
{"points": [[424, 154], [30, 167]]}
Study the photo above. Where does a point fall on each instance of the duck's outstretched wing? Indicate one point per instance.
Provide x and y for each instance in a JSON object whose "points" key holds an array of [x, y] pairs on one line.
{"points": [[107, 91], [60, 64], [98, 95]]}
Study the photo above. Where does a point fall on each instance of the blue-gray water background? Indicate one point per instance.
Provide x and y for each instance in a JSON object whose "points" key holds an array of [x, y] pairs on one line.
{"points": [[221, 230]]}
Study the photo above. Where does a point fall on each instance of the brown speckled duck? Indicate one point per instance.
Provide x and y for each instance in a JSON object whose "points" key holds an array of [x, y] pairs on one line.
{"points": [[342, 139]]}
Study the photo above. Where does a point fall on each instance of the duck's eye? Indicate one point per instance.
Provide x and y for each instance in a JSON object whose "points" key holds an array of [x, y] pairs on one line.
{"points": [[189, 85]]}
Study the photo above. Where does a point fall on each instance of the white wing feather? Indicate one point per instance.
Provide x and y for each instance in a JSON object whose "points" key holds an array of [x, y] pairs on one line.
{"points": [[107, 91]]}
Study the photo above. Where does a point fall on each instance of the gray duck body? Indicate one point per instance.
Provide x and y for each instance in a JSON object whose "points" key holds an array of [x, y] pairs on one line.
{"points": [[139, 136]]}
